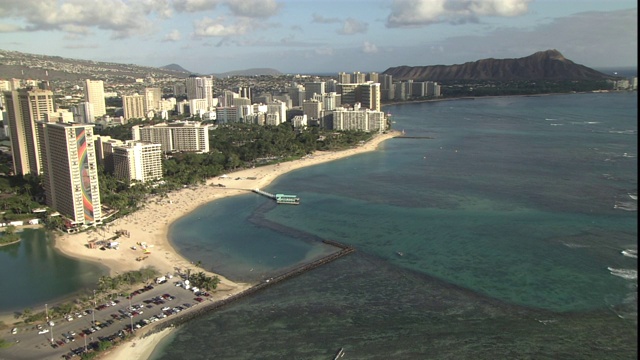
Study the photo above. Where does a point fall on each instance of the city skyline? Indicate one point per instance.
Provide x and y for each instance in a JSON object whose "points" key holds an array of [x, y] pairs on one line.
{"points": [[216, 36]]}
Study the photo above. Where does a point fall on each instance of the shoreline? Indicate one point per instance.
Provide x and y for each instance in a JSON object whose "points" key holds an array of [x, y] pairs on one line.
{"points": [[152, 222]]}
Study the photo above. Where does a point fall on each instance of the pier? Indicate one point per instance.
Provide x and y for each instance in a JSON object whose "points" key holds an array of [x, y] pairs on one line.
{"points": [[264, 193], [279, 198]]}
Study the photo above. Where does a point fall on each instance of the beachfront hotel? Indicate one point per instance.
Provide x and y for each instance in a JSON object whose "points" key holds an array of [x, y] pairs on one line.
{"points": [[71, 172], [135, 161], [24, 108], [181, 136], [359, 119]]}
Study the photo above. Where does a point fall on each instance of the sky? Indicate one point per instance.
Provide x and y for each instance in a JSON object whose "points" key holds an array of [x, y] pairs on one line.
{"points": [[320, 36]]}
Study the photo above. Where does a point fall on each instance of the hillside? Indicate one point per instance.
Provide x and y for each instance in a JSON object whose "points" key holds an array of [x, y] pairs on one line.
{"points": [[14, 64], [176, 67], [543, 65]]}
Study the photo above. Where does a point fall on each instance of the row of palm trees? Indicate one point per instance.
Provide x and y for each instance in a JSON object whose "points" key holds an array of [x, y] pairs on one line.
{"points": [[203, 281], [111, 283]]}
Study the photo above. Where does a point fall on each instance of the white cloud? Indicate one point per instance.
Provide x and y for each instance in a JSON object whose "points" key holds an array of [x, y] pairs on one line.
{"points": [[353, 26], [253, 8], [243, 8], [207, 27], [122, 18], [9, 28], [426, 12], [369, 48], [317, 18], [195, 5], [173, 36]]}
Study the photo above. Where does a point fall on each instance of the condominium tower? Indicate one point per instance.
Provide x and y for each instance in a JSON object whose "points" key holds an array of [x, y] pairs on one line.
{"points": [[200, 88], [174, 137], [94, 93], [71, 172], [134, 106], [137, 161], [24, 108]]}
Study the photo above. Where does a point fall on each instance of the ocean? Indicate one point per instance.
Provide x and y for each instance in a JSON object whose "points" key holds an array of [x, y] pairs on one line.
{"points": [[503, 228]]}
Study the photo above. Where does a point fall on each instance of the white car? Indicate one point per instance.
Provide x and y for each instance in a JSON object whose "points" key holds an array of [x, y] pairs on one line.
{"points": [[14, 331], [43, 331]]}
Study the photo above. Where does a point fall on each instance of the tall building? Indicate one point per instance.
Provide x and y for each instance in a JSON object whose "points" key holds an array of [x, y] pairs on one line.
{"points": [[344, 78], [359, 119], [331, 101], [433, 89], [368, 94], [312, 88], [153, 96], [276, 112], [175, 136], [386, 86], [347, 92], [311, 108], [94, 93], [200, 88], [137, 161], [83, 112], [134, 106], [297, 94], [245, 92], [373, 76], [330, 85], [24, 108], [358, 77], [419, 89], [227, 114], [104, 151], [71, 172]]}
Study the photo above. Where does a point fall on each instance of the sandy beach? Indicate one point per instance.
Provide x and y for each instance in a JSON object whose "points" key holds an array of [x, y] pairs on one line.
{"points": [[151, 224]]}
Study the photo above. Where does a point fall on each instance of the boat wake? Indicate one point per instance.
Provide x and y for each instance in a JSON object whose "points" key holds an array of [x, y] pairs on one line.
{"points": [[628, 274], [631, 132], [575, 246], [630, 253]]}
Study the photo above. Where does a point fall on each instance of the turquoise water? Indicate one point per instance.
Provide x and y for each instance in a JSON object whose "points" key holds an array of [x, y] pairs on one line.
{"points": [[34, 273], [500, 236]]}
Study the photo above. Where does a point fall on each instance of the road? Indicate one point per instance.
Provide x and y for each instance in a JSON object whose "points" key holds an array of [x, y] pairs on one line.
{"points": [[31, 345]]}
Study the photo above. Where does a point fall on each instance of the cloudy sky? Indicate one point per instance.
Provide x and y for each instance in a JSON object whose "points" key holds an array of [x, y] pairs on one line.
{"points": [[320, 36]]}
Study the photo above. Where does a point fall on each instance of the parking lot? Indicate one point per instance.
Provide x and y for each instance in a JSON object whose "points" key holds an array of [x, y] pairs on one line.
{"points": [[113, 320]]}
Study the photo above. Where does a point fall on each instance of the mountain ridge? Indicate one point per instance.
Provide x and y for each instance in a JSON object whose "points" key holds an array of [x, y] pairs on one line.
{"points": [[542, 65]]}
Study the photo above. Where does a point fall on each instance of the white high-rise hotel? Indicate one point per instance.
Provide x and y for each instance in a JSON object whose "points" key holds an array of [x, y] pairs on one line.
{"points": [[94, 94], [174, 137], [24, 108], [71, 172], [137, 161]]}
